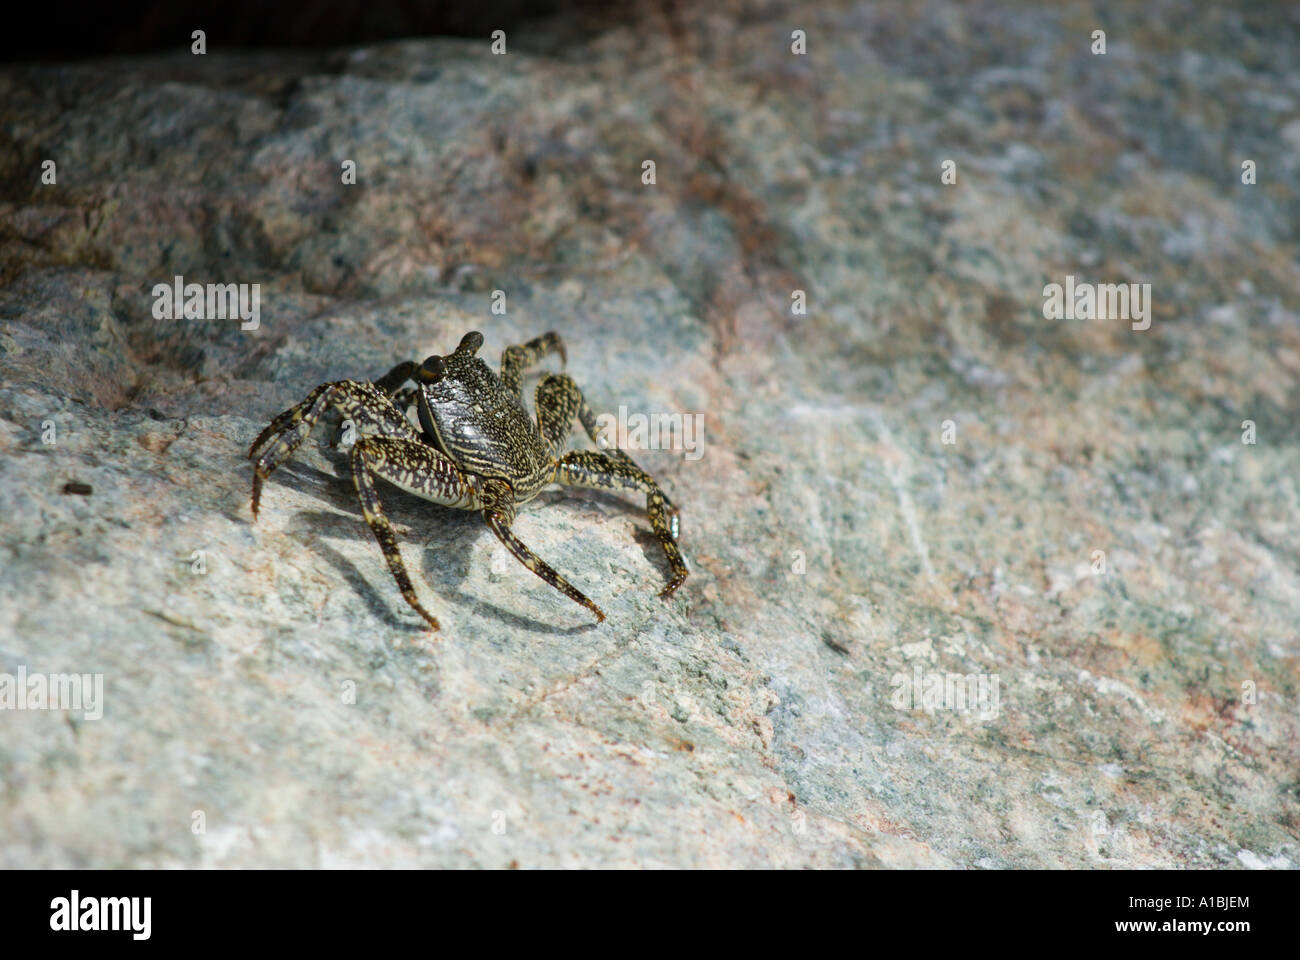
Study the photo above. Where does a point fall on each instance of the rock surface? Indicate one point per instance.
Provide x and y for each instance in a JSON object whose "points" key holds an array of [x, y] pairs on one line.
{"points": [[1089, 530]]}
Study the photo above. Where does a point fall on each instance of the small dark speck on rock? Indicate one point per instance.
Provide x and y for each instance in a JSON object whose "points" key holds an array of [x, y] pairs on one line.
{"points": [[835, 644], [84, 489]]}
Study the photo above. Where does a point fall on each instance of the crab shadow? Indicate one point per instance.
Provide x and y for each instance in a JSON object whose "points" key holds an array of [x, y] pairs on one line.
{"points": [[630, 504], [445, 560]]}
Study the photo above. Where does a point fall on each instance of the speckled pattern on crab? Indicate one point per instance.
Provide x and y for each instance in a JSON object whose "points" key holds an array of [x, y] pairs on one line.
{"points": [[475, 449]]}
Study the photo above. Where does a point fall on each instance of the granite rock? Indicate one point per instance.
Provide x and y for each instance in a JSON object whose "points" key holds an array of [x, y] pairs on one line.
{"points": [[918, 476]]}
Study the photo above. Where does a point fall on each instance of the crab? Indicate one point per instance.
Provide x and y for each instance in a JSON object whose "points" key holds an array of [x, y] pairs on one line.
{"points": [[475, 448]]}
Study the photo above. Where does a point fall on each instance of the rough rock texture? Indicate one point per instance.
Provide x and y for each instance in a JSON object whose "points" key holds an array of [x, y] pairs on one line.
{"points": [[1148, 713]]}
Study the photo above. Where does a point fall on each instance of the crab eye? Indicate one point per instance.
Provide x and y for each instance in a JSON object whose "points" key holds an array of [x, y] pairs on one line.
{"points": [[432, 369], [470, 342]]}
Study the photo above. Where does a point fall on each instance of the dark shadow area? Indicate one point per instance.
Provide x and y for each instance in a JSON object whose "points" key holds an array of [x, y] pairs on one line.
{"points": [[318, 526], [456, 532], [87, 30], [630, 503], [302, 478], [517, 622]]}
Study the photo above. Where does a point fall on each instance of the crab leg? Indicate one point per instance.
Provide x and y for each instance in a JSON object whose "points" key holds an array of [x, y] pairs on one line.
{"points": [[499, 513], [369, 410], [405, 399], [558, 401], [397, 376], [416, 468], [590, 468], [288, 418], [402, 399], [517, 358]]}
